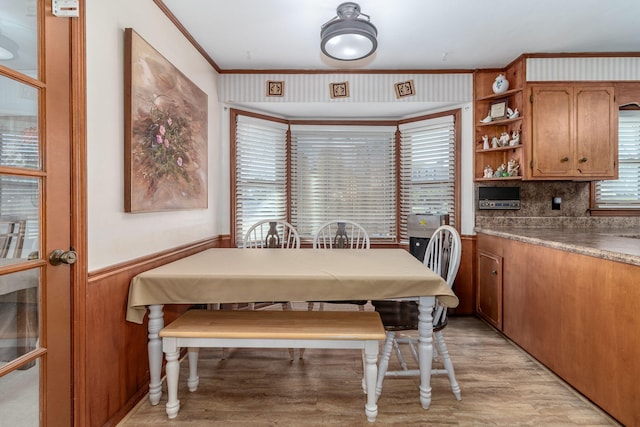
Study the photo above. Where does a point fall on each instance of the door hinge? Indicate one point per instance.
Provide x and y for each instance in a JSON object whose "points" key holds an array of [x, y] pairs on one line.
{"points": [[66, 8], [531, 99]]}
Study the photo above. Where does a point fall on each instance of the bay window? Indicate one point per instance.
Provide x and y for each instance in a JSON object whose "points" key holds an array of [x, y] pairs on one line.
{"points": [[373, 173]]}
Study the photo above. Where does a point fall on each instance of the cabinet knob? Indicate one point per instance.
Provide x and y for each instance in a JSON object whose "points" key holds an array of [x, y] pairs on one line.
{"points": [[583, 160], [564, 159], [494, 272]]}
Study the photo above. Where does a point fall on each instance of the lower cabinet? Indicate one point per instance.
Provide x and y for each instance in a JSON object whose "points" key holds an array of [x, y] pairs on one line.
{"points": [[576, 314], [489, 288]]}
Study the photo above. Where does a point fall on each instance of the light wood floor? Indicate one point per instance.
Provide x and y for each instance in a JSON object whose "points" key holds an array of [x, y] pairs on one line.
{"points": [[501, 386]]}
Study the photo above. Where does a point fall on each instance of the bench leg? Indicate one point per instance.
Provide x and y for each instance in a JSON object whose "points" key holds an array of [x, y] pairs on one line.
{"points": [[173, 371], [194, 379], [364, 374], [370, 373]]}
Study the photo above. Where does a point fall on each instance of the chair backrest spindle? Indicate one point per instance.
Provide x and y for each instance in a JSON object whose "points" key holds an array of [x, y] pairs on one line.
{"points": [[272, 233], [341, 234]]}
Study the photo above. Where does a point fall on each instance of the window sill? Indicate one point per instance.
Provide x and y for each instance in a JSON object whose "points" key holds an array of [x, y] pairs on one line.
{"points": [[614, 212]]}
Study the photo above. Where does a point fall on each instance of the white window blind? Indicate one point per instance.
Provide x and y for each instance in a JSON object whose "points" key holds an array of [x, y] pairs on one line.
{"points": [[427, 169], [260, 172], [624, 193], [344, 172]]}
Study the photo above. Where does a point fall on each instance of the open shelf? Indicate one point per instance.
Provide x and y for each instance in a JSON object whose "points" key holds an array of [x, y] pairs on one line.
{"points": [[482, 150], [500, 122], [504, 94], [504, 178], [484, 99]]}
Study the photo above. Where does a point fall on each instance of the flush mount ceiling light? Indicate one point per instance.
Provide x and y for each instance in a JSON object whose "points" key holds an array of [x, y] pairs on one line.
{"points": [[346, 37]]}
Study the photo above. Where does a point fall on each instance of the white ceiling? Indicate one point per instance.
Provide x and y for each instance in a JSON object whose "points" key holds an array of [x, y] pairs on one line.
{"points": [[412, 35]]}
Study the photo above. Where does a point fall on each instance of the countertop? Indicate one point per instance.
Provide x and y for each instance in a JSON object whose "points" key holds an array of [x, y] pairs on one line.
{"points": [[616, 244]]}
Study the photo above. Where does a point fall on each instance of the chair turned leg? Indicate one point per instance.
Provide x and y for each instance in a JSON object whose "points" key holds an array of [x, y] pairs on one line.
{"points": [[384, 361], [396, 348], [194, 379], [448, 365]]}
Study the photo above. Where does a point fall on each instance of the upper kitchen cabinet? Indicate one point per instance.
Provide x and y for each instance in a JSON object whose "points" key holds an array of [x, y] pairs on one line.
{"points": [[498, 116], [574, 129]]}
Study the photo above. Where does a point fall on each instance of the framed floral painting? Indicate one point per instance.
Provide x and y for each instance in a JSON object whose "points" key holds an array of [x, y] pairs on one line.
{"points": [[165, 133]]}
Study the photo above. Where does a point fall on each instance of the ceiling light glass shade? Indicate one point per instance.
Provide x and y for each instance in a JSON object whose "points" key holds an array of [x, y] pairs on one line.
{"points": [[346, 37]]}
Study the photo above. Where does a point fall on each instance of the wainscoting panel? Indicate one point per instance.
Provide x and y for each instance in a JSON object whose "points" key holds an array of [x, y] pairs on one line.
{"points": [[117, 368], [464, 286]]}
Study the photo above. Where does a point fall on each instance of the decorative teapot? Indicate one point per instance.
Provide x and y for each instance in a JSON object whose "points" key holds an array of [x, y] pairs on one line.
{"points": [[501, 84]]}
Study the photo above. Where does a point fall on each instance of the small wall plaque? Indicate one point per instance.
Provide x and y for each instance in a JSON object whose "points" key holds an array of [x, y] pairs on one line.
{"points": [[405, 89], [275, 88], [498, 109], [339, 90]]}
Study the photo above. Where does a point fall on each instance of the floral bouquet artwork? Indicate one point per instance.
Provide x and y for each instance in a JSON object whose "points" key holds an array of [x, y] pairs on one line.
{"points": [[165, 133]]}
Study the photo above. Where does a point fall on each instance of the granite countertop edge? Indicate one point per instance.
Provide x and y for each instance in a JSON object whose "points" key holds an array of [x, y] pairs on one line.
{"points": [[605, 244]]}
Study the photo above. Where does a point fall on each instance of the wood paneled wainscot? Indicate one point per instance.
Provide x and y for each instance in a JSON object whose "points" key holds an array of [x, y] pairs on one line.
{"points": [[117, 366], [578, 315]]}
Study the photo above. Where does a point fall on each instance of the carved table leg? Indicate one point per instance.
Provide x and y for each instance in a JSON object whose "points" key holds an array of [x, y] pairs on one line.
{"points": [[425, 348], [154, 348]]}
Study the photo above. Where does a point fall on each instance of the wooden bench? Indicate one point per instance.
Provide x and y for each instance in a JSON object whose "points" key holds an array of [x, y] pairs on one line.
{"points": [[271, 329]]}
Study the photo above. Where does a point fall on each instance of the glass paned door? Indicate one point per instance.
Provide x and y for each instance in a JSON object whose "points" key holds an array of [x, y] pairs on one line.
{"points": [[20, 203], [35, 325]]}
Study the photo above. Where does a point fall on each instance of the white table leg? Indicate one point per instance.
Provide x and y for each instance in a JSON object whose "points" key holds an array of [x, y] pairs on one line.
{"points": [[425, 348], [154, 348], [370, 373], [173, 372]]}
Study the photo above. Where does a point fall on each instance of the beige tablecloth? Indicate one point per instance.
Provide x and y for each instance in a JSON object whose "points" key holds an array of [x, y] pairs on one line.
{"points": [[246, 275]]}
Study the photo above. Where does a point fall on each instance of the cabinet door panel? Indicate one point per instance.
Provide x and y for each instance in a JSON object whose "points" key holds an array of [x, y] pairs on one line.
{"points": [[595, 128], [552, 131], [489, 290]]}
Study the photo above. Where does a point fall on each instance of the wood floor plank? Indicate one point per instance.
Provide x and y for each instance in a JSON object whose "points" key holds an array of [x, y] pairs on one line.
{"points": [[501, 386]]}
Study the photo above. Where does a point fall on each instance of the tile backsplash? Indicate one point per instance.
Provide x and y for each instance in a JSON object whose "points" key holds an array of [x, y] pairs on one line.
{"points": [[536, 207]]}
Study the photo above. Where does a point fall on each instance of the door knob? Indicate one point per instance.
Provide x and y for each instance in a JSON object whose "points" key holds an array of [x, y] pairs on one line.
{"points": [[58, 256]]}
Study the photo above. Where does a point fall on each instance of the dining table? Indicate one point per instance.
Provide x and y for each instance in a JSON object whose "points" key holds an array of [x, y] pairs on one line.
{"points": [[239, 275]]}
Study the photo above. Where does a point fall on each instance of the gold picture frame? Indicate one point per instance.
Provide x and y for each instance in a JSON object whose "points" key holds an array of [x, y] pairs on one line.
{"points": [[275, 88], [166, 136], [339, 90], [498, 109], [405, 89]]}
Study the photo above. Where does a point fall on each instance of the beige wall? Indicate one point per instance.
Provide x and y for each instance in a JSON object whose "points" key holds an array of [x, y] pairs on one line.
{"points": [[113, 235]]}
